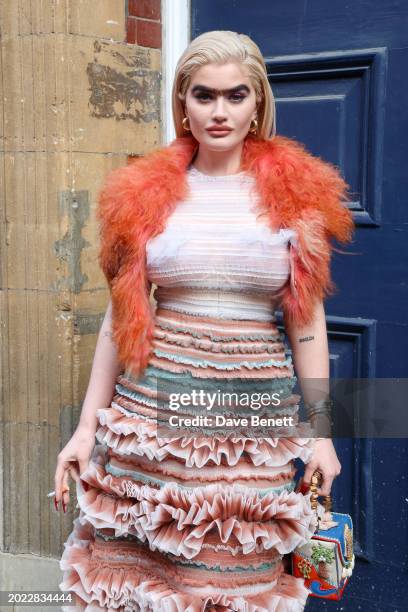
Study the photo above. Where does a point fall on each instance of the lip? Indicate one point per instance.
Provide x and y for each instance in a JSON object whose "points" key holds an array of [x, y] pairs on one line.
{"points": [[219, 128], [219, 132]]}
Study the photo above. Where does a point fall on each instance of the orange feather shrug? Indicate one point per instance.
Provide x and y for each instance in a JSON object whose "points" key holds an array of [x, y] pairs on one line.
{"points": [[298, 191]]}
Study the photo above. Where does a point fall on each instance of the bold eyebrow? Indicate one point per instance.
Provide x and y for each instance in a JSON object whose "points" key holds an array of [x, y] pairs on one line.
{"points": [[205, 89]]}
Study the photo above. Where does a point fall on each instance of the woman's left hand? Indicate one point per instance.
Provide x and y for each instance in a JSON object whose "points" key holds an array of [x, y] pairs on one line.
{"points": [[325, 460]]}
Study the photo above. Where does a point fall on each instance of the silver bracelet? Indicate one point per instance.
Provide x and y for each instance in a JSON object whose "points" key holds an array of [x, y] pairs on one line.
{"points": [[322, 406]]}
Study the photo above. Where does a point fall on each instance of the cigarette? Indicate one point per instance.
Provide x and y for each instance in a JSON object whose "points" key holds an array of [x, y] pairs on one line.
{"points": [[52, 493]]}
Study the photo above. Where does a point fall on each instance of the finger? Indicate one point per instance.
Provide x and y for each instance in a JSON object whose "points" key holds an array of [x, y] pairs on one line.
{"points": [[308, 473], [65, 488], [326, 485], [58, 478], [74, 471], [83, 466]]}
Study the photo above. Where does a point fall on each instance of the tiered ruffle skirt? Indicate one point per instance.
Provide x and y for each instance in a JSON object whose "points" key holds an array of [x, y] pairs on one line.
{"points": [[183, 523]]}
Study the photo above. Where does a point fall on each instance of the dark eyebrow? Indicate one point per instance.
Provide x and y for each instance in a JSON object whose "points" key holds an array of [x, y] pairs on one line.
{"points": [[205, 89]]}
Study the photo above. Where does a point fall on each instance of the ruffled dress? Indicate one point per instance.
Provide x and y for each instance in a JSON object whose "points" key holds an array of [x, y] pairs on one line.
{"points": [[191, 523]]}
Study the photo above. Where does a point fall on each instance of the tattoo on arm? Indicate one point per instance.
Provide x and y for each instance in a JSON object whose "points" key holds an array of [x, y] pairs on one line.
{"points": [[306, 338]]}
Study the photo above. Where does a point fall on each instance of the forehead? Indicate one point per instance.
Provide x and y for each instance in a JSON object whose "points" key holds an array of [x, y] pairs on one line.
{"points": [[221, 76]]}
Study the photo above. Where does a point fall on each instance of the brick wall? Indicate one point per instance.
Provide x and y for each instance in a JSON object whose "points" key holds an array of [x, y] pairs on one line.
{"points": [[143, 23]]}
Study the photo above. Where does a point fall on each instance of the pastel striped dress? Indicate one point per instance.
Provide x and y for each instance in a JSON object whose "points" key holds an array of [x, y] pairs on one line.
{"points": [[196, 522]]}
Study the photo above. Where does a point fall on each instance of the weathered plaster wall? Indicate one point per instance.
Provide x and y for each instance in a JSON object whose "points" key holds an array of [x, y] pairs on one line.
{"points": [[80, 91]]}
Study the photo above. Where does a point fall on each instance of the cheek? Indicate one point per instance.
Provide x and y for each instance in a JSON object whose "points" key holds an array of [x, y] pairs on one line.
{"points": [[199, 112], [242, 114], [242, 120]]}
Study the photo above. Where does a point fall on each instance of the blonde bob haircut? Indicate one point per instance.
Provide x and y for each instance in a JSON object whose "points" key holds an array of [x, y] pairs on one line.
{"points": [[221, 47]]}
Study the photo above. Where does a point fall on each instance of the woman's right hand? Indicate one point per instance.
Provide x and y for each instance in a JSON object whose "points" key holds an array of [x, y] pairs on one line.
{"points": [[73, 460]]}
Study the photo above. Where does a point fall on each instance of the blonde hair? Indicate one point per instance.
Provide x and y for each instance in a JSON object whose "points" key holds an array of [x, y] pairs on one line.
{"points": [[220, 47]]}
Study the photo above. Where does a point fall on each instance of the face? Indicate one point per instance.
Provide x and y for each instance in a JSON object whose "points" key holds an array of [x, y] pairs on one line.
{"points": [[220, 96]]}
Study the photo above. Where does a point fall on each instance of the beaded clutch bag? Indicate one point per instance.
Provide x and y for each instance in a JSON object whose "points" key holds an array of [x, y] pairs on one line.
{"points": [[326, 562]]}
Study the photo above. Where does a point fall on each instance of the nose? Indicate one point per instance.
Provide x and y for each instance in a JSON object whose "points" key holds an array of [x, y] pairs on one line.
{"points": [[219, 108]]}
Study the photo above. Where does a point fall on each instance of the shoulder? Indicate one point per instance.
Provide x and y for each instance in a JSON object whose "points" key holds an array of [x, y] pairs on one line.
{"points": [[129, 189], [119, 182]]}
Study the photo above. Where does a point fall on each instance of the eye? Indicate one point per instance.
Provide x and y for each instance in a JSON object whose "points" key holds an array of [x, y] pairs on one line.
{"points": [[234, 97], [203, 96]]}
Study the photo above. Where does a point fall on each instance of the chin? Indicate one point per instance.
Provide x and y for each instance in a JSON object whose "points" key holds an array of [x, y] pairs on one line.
{"points": [[225, 142]]}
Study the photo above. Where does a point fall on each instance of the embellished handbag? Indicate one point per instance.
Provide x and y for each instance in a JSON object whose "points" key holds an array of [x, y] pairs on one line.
{"points": [[326, 562]]}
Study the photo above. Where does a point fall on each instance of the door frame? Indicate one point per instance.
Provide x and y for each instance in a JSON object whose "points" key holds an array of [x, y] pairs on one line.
{"points": [[176, 34]]}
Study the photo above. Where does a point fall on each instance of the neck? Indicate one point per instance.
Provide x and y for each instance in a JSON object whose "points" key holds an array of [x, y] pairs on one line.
{"points": [[218, 163]]}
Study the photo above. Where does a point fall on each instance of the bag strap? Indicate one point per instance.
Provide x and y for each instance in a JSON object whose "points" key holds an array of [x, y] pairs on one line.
{"points": [[316, 481]]}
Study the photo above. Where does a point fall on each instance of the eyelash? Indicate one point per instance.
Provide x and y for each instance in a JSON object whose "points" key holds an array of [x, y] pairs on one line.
{"points": [[238, 97]]}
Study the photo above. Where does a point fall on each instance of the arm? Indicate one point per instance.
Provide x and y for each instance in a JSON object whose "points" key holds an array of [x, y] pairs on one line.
{"points": [[319, 213], [105, 369], [73, 459], [310, 353], [310, 348]]}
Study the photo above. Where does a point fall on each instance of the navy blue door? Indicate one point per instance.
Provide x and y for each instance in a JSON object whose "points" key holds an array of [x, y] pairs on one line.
{"points": [[338, 72]]}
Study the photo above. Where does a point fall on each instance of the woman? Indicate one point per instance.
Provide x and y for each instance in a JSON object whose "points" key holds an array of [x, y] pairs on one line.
{"points": [[230, 225]]}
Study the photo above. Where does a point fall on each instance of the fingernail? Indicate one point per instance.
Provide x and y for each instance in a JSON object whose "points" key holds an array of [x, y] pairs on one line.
{"points": [[56, 504], [63, 506]]}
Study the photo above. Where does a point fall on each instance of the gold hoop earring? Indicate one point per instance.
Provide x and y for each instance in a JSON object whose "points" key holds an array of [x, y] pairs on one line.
{"points": [[186, 128], [253, 130]]}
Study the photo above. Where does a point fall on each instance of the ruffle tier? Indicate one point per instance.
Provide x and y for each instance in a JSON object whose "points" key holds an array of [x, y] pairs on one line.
{"points": [[177, 520], [135, 435], [208, 348], [146, 581]]}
